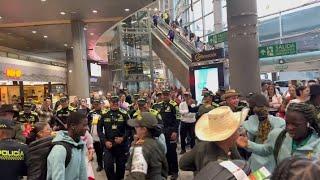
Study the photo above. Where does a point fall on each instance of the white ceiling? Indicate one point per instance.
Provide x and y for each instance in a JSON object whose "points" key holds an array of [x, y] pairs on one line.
{"points": [[20, 17]]}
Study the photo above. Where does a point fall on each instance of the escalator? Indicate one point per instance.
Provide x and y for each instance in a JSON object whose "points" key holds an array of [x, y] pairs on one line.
{"points": [[177, 55]]}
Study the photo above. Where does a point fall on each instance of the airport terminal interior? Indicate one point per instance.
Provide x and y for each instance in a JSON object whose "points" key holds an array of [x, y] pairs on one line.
{"points": [[160, 89]]}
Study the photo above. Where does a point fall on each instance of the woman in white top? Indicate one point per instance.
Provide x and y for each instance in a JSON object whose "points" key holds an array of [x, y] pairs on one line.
{"points": [[303, 94], [274, 99]]}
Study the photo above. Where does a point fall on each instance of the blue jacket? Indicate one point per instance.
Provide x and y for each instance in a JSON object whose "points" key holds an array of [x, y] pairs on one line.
{"points": [[251, 126], [311, 149], [76, 170]]}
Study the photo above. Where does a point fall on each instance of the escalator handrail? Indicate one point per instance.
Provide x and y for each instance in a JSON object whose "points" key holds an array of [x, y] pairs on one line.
{"points": [[185, 58]]}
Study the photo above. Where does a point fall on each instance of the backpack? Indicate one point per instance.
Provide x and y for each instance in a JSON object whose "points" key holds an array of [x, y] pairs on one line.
{"points": [[37, 157], [278, 145]]}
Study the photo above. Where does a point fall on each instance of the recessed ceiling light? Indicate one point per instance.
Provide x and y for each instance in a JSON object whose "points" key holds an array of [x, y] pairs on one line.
{"points": [[0, 17], [65, 45], [155, 9], [62, 13], [45, 36], [94, 11], [34, 32], [91, 34], [126, 9], [43, 0], [71, 47], [9, 33], [85, 28]]}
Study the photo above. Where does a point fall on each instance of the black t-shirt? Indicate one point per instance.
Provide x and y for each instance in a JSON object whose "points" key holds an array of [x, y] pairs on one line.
{"points": [[13, 155]]}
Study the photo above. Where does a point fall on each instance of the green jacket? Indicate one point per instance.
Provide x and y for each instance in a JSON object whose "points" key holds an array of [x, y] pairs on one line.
{"points": [[311, 149], [147, 161], [202, 154], [251, 126]]}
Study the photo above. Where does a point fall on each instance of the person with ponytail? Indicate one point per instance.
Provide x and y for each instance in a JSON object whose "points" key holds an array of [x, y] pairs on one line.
{"points": [[300, 137]]}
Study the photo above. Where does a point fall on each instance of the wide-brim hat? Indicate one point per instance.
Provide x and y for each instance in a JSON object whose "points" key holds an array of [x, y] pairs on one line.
{"points": [[230, 93], [219, 124]]}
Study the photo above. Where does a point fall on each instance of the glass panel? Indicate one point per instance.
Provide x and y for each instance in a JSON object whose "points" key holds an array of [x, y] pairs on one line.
{"points": [[207, 6], [198, 28], [197, 12], [209, 24]]}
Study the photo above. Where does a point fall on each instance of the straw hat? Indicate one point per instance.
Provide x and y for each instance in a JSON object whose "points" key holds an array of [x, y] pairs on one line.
{"points": [[219, 124], [230, 93]]}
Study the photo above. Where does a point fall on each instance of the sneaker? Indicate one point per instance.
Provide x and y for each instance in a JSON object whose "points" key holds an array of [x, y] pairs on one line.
{"points": [[99, 169], [182, 152]]}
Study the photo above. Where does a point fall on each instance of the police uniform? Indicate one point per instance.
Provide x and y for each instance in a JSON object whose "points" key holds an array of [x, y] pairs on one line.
{"points": [[170, 115], [113, 124], [94, 116], [63, 115], [30, 118], [12, 155], [147, 160]]}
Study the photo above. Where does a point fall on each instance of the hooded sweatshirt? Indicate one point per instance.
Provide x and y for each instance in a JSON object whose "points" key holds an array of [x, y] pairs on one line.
{"points": [[76, 170]]}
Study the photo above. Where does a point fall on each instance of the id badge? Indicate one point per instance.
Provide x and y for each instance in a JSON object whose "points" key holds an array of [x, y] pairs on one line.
{"points": [[114, 127]]}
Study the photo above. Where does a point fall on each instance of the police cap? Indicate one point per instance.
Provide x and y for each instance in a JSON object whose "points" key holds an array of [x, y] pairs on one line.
{"points": [[136, 96], [27, 105], [63, 99], [158, 93], [114, 99], [145, 119], [6, 124], [97, 101], [142, 101], [166, 91], [207, 94]]}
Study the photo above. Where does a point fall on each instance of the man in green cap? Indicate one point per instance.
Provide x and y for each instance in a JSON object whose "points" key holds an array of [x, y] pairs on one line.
{"points": [[207, 105], [114, 134], [134, 106], [169, 111], [147, 160]]}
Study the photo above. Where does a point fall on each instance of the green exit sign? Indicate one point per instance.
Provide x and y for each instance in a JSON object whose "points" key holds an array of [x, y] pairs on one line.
{"points": [[277, 50], [218, 38]]}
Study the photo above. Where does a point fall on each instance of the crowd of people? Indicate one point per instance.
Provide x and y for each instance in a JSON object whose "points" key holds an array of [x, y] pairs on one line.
{"points": [[177, 27], [137, 136]]}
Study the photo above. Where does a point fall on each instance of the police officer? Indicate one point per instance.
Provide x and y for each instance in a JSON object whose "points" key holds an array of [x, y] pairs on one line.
{"points": [[114, 132], [28, 116], [159, 99], [134, 106], [94, 117], [12, 153], [169, 112], [62, 114], [147, 160]]}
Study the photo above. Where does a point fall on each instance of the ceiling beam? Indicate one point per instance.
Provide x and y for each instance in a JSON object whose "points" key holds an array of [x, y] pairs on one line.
{"points": [[58, 22]]}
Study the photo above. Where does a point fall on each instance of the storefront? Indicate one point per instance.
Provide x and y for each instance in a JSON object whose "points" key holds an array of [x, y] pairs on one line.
{"points": [[29, 80]]}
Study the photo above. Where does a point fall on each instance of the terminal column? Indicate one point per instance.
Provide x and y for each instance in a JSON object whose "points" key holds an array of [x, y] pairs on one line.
{"points": [[217, 14], [78, 80], [243, 46]]}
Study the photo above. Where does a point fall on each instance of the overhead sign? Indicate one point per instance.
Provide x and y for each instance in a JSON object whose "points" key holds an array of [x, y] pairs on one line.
{"points": [[218, 38], [280, 67], [208, 55], [13, 73], [277, 50]]}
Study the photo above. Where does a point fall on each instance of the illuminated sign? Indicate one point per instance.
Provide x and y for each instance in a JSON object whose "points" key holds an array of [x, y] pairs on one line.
{"points": [[13, 73]]}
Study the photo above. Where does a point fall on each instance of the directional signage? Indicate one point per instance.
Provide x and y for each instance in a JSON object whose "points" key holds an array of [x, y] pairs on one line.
{"points": [[277, 50], [218, 38]]}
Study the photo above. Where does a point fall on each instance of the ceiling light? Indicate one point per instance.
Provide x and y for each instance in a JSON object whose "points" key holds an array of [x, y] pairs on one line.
{"points": [[34, 32], [91, 34], [45, 36], [65, 45], [85, 28], [94, 11], [43, 0], [62, 13], [155, 9], [71, 47], [0, 17], [126, 10]]}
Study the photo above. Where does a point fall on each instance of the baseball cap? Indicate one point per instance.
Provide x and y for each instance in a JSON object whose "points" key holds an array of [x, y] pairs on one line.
{"points": [[145, 119], [142, 101]]}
